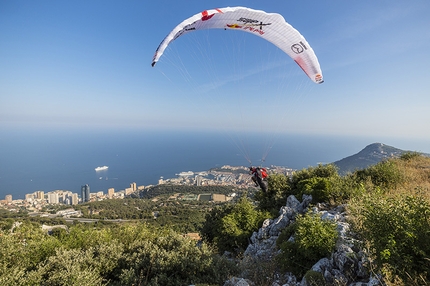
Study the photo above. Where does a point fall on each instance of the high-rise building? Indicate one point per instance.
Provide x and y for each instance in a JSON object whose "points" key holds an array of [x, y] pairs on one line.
{"points": [[133, 186], [111, 191], [29, 197], [199, 180], [75, 199], [40, 195], [53, 198], [8, 198], [85, 193], [128, 191]]}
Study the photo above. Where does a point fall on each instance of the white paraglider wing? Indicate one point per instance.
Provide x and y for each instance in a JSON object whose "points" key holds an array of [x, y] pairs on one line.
{"points": [[269, 26]]}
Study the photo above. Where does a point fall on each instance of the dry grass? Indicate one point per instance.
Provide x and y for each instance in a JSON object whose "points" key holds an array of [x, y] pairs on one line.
{"points": [[416, 177], [415, 181]]}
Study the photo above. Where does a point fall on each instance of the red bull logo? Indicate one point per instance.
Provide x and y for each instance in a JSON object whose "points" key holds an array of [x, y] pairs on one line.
{"points": [[246, 27], [234, 26]]}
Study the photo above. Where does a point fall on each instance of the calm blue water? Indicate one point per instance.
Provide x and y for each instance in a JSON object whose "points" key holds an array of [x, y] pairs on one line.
{"points": [[51, 160]]}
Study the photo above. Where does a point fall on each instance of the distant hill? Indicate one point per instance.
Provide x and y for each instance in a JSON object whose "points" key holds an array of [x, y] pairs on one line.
{"points": [[370, 155]]}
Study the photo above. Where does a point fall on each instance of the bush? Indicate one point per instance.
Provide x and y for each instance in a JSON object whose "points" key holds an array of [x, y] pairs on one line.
{"points": [[70, 267], [397, 233], [261, 271], [408, 156], [322, 182], [315, 278], [314, 239], [385, 175], [231, 226], [318, 187], [277, 192], [120, 255], [172, 260]]}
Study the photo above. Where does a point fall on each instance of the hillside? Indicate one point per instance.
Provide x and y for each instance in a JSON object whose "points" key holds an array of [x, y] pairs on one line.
{"points": [[317, 240], [370, 155]]}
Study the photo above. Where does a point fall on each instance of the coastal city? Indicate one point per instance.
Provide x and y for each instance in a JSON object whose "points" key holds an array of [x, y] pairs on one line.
{"points": [[237, 176]]}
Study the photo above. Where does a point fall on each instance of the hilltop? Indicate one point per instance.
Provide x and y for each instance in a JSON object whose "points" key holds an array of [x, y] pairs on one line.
{"points": [[370, 155]]}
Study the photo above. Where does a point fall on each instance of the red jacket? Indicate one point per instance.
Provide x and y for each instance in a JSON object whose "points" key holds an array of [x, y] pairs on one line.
{"points": [[261, 172]]}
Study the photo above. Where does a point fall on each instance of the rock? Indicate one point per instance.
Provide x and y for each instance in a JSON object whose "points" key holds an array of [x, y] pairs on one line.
{"points": [[263, 242], [279, 224], [339, 278], [330, 216], [290, 280], [342, 229], [322, 265], [345, 266], [343, 262], [292, 202], [328, 276], [238, 282], [306, 200]]}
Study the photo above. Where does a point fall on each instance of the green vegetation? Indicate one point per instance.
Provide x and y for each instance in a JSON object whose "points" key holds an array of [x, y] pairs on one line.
{"points": [[396, 231], [322, 182], [277, 192], [129, 254], [182, 216], [8, 214], [388, 208], [315, 278], [167, 190], [314, 239], [230, 226]]}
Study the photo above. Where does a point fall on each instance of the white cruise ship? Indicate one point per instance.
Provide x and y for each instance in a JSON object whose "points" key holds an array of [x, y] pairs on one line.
{"points": [[101, 168], [183, 174]]}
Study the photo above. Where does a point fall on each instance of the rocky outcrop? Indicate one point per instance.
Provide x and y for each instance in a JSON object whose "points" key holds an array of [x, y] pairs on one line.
{"points": [[345, 266]]}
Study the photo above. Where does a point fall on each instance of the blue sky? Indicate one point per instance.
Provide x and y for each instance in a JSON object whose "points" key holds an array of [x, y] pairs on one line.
{"points": [[86, 64]]}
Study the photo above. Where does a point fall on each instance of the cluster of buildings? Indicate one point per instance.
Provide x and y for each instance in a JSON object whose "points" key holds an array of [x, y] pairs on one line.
{"points": [[37, 200], [224, 176]]}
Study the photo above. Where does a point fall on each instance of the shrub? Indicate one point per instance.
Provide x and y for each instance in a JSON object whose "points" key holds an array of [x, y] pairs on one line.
{"points": [[408, 156], [322, 182], [286, 233], [318, 187], [70, 267], [385, 175], [120, 255], [314, 239], [277, 192], [262, 271], [315, 278], [172, 260], [397, 233], [231, 226], [238, 226]]}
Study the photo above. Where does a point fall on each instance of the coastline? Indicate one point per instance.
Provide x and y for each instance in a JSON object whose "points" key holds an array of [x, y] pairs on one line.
{"points": [[50, 161]]}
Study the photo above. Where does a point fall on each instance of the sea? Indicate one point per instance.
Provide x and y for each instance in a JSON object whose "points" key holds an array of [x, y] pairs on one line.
{"points": [[49, 160]]}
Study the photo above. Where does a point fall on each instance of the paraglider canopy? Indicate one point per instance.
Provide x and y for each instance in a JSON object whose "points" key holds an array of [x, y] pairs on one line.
{"points": [[269, 26]]}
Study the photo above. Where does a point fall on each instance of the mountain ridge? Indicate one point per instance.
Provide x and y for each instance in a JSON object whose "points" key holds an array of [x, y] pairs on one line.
{"points": [[372, 154]]}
